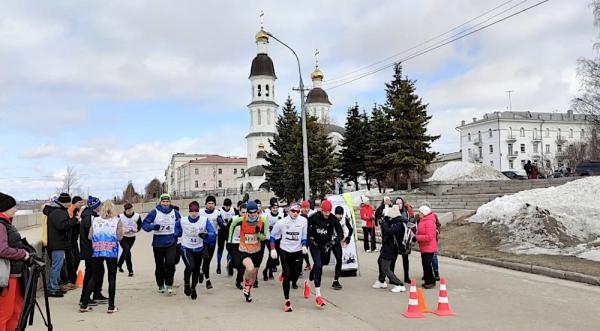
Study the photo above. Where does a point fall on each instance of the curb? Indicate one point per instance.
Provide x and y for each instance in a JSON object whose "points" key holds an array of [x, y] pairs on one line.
{"points": [[532, 269]]}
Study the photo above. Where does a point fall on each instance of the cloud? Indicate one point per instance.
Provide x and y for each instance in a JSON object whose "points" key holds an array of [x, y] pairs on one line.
{"points": [[38, 152]]}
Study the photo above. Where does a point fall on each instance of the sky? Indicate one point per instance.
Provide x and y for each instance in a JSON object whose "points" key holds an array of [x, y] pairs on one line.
{"points": [[114, 88]]}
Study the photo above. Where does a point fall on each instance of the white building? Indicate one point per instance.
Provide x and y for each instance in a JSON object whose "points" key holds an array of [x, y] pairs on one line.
{"points": [[177, 160], [210, 173], [506, 140]]}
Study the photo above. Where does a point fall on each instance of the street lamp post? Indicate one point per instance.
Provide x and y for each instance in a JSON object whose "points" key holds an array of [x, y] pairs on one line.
{"points": [[303, 114]]}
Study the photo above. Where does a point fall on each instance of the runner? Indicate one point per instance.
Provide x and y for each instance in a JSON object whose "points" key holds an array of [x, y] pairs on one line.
{"points": [[306, 212], [273, 217], [213, 217], [162, 221], [291, 232], [227, 214], [193, 230], [321, 227], [132, 223], [233, 244], [254, 229], [337, 248]]}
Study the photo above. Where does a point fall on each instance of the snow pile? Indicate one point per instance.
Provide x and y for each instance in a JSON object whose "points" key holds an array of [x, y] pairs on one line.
{"points": [[466, 171], [561, 220]]}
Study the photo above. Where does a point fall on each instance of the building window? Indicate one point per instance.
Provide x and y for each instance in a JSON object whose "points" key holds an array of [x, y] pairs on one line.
{"points": [[469, 136], [492, 163], [535, 148], [511, 164], [196, 172], [469, 152], [559, 148], [267, 90], [259, 117], [220, 184], [235, 171], [510, 131], [242, 171], [196, 184], [480, 152], [522, 132], [203, 185], [522, 148], [582, 133], [259, 90], [547, 148], [535, 133], [548, 164], [547, 132], [268, 117], [571, 133], [491, 134], [559, 133], [491, 149], [220, 171]]}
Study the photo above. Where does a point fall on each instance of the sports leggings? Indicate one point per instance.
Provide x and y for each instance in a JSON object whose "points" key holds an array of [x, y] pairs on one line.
{"points": [[317, 268], [164, 258], [193, 263], [209, 251], [291, 263], [222, 235], [126, 244], [98, 267]]}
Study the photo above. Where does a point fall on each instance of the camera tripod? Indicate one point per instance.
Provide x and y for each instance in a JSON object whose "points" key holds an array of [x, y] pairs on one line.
{"points": [[36, 267]]}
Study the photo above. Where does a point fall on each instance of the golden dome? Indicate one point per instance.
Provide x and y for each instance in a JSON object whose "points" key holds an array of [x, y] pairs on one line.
{"points": [[316, 74], [262, 36]]}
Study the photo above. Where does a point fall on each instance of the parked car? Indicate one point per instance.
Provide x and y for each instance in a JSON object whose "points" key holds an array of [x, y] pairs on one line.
{"points": [[514, 175], [588, 168]]}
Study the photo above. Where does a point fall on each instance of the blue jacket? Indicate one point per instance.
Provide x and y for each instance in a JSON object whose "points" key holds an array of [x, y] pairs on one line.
{"points": [[148, 225], [212, 235]]}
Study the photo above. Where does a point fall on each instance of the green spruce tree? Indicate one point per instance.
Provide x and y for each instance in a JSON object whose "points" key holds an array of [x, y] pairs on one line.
{"points": [[409, 144], [378, 137], [353, 148], [321, 158]]}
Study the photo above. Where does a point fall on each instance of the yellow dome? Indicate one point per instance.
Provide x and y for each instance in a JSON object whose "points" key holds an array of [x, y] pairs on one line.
{"points": [[262, 36], [316, 74]]}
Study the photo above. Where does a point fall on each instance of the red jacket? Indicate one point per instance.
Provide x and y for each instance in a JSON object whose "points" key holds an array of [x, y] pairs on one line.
{"points": [[426, 233], [366, 215]]}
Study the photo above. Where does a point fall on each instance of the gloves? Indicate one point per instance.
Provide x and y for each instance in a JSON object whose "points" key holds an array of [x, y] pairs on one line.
{"points": [[26, 256], [273, 254], [257, 229], [261, 237], [347, 240], [156, 227], [203, 235], [304, 250]]}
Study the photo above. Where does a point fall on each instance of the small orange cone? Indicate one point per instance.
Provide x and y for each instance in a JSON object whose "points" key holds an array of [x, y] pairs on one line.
{"points": [[443, 308], [413, 303], [306, 289], [79, 281], [422, 305]]}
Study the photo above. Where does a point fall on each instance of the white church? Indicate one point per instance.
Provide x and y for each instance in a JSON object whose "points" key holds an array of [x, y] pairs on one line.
{"points": [[263, 113]]}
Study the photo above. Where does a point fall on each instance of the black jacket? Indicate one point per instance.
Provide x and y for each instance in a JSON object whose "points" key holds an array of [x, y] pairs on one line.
{"points": [[85, 244], [59, 227], [320, 229], [391, 231]]}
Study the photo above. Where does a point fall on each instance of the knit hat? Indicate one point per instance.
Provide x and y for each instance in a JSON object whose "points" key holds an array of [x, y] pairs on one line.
{"points": [[6, 202], [273, 201], [64, 198], [257, 201], [326, 205], [227, 202], [194, 206], [76, 199], [210, 198], [424, 210], [394, 211], [165, 196], [305, 204], [93, 202], [339, 210], [251, 207]]}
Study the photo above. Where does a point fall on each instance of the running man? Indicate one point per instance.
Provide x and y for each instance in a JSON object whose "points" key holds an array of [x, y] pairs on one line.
{"points": [[162, 221], [194, 231], [337, 249], [233, 244], [321, 228], [213, 217], [132, 224], [291, 232], [227, 214], [273, 217], [254, 229]]}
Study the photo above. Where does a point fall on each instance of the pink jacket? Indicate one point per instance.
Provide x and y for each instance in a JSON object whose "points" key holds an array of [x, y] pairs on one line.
{"points": [[426, 231]]}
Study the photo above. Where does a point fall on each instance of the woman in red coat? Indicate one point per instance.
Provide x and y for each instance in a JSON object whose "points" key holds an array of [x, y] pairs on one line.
{"points": [[367, 216], [426, 232]]}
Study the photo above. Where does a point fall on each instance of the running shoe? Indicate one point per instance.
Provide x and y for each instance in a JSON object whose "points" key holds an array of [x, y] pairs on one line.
{"points": [[100, 298], [208, 284], [379, 284], [294, 285], [130, 274], [320, 302], [265, 275], [247, 295], [92, 303], [398, 289], [218, 269], [306, 289], [112, 310], [161, 289], [194, 294], [187, 290], [255, 284], [121, 269], [85, 309], [287, 307], [239, 286], [336, 285], [170, 290]]}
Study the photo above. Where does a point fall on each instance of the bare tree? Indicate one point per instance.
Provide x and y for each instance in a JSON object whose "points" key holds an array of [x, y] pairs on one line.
{"points": [[587, 149], [129, 194], [71, 181], [154, 189]]}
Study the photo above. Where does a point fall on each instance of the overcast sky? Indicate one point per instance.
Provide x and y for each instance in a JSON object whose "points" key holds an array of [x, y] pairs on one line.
{"points": [[114, 88]]}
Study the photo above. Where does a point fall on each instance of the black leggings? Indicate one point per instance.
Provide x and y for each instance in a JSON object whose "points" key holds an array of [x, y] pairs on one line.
{"points": [[207, 255], [222, 235], [426, 261], [98, 267], [291, 263], [317, 253], [126, 244], [193, 262], [337, 253], [164, 258], [89, 274]]}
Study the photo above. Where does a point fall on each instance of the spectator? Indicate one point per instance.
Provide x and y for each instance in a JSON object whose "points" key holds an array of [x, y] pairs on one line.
{"points": [[72, 255], [534, 173], [527, 168], [367, 217], [405, 239], [426, 232], [392, 225], [59, 229]]}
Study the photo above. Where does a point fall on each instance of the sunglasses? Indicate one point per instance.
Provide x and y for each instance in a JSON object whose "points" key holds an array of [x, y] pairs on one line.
{"points": [[294, 211], [253, 212]]}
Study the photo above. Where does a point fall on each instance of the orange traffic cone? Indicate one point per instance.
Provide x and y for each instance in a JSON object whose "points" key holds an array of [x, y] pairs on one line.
{"points": [[306, 289], [413, 303], [79, 281], [443, 308], [422, 305]]}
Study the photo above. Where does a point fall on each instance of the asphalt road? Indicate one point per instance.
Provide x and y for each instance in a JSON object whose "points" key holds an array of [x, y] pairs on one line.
{"points": [[483, 298]]}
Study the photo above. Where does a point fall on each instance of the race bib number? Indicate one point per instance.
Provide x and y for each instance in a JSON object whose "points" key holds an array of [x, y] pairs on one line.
{"points": [[294, 236], [250, 239]]}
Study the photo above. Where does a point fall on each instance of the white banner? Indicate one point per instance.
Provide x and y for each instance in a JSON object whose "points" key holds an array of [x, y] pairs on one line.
{"points": [[349, 256]]}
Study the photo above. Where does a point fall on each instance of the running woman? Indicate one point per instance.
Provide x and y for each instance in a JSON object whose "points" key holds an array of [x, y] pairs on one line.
{"points": [[132, 224], [322, 226], [193, 230], [307, 212], [227, 214], [337, 249], [291, 232], [213, 217], [273, 217], [254, 229], [233, 244], [162, 221]]}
